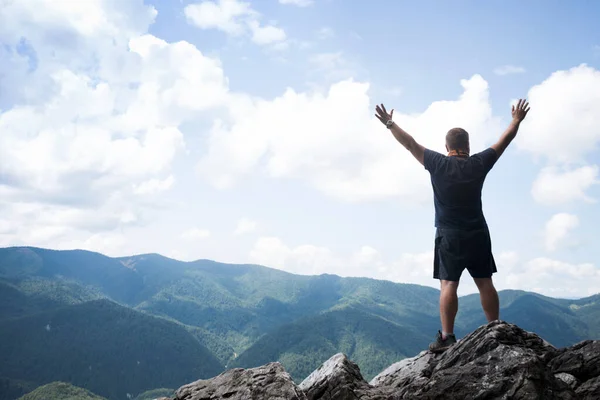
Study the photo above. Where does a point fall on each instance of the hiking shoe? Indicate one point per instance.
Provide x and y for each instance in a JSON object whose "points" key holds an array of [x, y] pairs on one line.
{"points": [[441, 344]]}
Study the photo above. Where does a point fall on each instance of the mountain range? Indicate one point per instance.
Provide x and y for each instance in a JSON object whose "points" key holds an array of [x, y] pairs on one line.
{"points": [[121, 326]]}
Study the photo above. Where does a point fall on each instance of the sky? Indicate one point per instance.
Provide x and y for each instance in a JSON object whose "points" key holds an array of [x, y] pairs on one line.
{"points": [[244, 132]]}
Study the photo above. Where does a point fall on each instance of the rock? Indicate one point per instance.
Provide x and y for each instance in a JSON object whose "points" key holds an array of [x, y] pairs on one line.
{"points": [[338, 378], [568, 379], [270, 381], [590, 390], [581, 360], [497, 361], [415, 370]]}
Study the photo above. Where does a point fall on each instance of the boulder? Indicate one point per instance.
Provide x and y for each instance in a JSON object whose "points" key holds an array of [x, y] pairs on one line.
{"points": [[415, 370], [496, 360], [269, 381], [568, 379], [338, 378], [581, 360], [590, 390]]}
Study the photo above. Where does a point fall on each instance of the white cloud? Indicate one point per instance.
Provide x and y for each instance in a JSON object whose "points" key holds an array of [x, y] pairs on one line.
{"points": [[554, 186], [225, 15], [195, 234], [236, 18], [367, 261], [154, 185], [562, 126], [557, 230], [508, 70], [245, 225], [556, 278], [333, 140], [562, 129], [541, 275], [97, 119], [507, 260], [299, 3], [304, 259], [264, 35]]}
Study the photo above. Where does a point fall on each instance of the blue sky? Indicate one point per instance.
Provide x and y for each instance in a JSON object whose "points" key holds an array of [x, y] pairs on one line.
{"points": [[243, 131]]}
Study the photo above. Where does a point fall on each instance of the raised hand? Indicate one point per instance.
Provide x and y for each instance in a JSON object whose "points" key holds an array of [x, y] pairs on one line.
{"points": [[520, 111], [383, 115]]}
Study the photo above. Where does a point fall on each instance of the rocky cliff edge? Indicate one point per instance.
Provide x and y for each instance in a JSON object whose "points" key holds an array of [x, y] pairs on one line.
{"points": [[497, 361]]}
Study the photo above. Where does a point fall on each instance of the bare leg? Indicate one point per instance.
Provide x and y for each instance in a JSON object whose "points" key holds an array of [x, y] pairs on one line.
{"points": [[448, 305], [489, 298]]}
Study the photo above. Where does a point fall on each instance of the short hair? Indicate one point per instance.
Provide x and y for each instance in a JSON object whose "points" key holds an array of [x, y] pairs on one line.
{"points": [[457, 139]]}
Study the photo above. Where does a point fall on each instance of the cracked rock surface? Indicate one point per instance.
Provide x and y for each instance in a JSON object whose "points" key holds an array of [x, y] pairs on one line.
{"points": [[497, 361]]}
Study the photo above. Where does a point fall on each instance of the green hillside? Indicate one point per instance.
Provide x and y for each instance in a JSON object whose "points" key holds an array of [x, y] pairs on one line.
{"points": [[14, 388], [106, 348], [60, 391], [94, 271], [553, 319], [588, 311], [369, 340]]}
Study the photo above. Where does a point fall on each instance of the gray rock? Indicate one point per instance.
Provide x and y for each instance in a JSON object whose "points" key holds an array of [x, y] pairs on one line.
{"points": [[270, 381], [497, 361], [338, 378], [415, 370], [568, 379], [590, 390], [581, 360]]}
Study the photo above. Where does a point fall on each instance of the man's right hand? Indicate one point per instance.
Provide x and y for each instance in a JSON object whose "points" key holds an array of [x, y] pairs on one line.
{"points": [[520, 111], [518, 114]]}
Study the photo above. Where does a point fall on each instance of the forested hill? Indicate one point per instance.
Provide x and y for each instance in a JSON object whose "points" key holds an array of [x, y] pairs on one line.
{"points": [[121, 326]]}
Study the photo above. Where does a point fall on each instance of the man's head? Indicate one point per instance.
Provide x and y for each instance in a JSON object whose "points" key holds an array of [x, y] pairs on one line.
{"points": [[457, 139]]}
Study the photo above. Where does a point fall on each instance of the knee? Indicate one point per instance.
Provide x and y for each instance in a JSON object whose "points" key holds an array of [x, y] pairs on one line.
{"points": [[484, 283], [449, 286]]}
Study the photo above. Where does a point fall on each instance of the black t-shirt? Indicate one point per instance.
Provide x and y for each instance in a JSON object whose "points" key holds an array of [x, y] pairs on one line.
{"points": [[457, 184]]}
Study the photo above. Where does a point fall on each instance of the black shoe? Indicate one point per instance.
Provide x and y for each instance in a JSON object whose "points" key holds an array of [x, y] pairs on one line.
{"points": [[440, 344]]}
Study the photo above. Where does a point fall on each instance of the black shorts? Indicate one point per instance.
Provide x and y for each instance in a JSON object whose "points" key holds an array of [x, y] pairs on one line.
{"points": [[457, 249]]}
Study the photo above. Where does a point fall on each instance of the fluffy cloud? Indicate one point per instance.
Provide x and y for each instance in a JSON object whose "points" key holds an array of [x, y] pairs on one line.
{"points": [[558, 229], [556, 278], [331, 139], [562, 129], [236, 18], [91, 116], [555, 186], [304, 259], [154, 186], [562, 126], [540, 275], [245, 225]]}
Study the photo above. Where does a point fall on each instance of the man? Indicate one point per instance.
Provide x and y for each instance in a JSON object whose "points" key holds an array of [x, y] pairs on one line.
{"points": [[462, 237]]}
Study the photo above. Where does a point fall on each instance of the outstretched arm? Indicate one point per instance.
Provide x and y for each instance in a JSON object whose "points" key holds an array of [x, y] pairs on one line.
{"points": [[518, 115], [400, 134]]}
